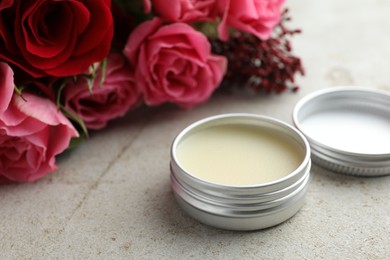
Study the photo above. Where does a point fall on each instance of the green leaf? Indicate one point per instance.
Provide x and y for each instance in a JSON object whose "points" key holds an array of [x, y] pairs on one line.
{"points": [[74, 142], [90, 81], [73, 116], [60, 89], [103, 72], [19, 91], [208, 28]]}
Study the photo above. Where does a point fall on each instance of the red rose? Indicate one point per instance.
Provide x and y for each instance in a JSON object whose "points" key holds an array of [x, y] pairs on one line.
{"points": [[5, 4], [55, 37]]}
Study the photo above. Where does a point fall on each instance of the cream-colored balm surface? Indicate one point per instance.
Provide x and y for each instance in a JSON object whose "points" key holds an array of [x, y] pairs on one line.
{"points": [[239, 155]]}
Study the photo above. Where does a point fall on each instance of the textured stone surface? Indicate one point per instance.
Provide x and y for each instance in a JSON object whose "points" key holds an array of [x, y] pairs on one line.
{"points": [[111, 197]]}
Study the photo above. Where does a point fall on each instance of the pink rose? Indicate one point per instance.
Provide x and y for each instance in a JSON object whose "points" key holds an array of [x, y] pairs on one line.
{"points": [[52, 37], [173, 63], [185, 10], [6, 86], [113, 99], [32, 133], [258, 17]]}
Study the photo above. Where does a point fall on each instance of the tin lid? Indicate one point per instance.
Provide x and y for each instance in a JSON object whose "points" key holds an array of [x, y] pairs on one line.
{"points": [[348, 129]]}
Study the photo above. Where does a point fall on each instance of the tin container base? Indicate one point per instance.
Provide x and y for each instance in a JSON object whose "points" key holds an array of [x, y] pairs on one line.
{"points": [[244, 223], [231, 204]]}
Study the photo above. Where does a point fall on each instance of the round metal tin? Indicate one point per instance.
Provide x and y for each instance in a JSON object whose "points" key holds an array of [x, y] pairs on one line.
{"points": [[348, 129], [241, 207]]}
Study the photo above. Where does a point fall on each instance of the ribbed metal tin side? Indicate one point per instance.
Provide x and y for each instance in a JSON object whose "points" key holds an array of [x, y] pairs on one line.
{"points": [[245, 198], [348, 169], [221, 206], [246, 207], [242, 222], [364, 100]]}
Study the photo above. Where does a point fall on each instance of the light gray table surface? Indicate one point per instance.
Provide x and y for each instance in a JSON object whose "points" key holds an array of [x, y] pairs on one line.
{"points": [[111, 199]]}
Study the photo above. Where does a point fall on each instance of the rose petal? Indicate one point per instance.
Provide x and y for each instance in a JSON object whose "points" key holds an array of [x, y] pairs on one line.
{"points": [[169, 9], [40, 108], [5, 4], [46, 40], [137, 37], [6, 86]]}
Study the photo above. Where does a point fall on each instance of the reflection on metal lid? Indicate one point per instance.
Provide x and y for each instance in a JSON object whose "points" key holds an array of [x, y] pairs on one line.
{"points": [[348, 129]]}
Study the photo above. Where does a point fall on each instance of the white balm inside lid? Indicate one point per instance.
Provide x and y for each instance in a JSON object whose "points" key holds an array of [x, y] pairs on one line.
{"points": [[348, 129], [240, 171]]}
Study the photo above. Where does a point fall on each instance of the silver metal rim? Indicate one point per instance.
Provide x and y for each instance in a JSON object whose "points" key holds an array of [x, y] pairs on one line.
{"points": [[264, 188], [338, 160]]}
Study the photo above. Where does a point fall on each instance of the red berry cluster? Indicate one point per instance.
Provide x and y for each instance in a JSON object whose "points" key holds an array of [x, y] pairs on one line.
{"points": [[263, 65]]}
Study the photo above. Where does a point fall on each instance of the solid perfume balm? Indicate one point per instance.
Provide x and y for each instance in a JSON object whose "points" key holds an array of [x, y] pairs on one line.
{"points": [[235, 154]]}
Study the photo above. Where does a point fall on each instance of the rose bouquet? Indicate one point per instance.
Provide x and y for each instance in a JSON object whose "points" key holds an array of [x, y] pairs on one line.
{"points": [[70, 66]]}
